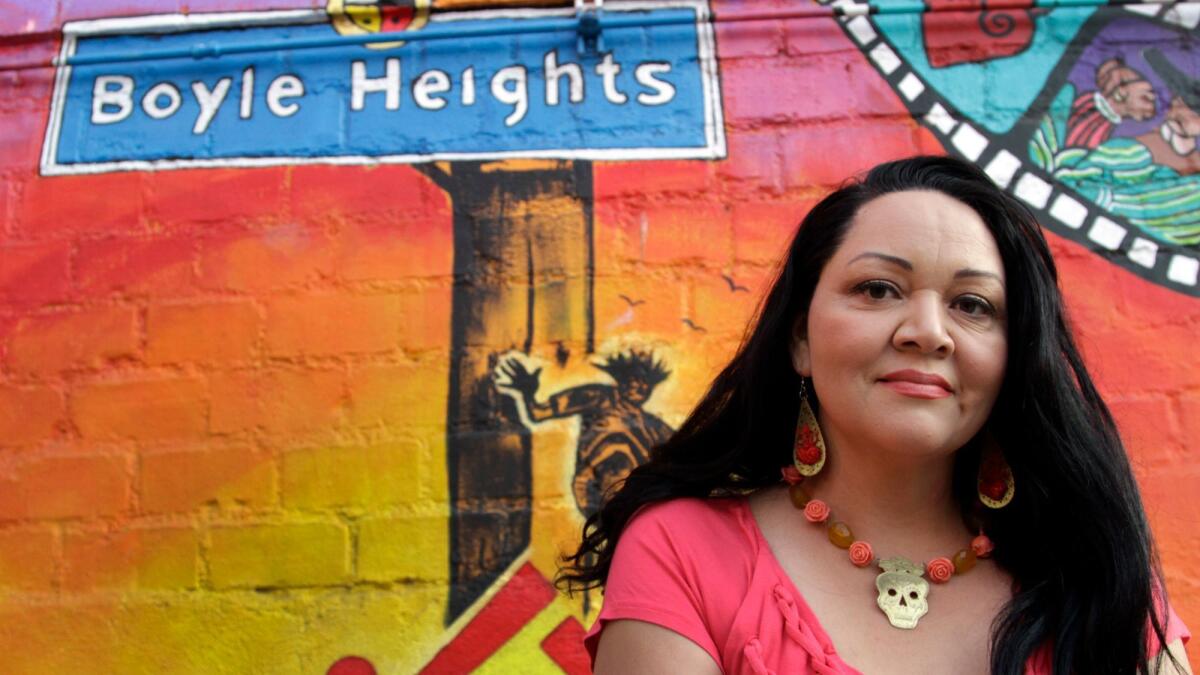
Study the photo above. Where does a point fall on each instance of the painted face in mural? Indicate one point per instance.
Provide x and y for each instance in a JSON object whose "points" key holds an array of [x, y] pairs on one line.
{"points": [[635, 391], [1181, 127], [1128, 92], [905, 334]]}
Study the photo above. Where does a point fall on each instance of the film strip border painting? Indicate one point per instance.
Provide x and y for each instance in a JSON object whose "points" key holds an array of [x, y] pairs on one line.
{"points": [[1006, 157]]}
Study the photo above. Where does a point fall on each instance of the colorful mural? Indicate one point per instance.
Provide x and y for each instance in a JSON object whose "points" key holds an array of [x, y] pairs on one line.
{"points": [[323, 326]]}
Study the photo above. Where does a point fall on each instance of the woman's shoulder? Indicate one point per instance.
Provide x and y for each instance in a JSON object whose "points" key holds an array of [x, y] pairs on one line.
{"points": [[726, 514], [696, 528]]}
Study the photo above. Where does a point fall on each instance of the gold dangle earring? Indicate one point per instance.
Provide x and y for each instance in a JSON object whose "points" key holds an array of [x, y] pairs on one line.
{"points": [[808, 453]]}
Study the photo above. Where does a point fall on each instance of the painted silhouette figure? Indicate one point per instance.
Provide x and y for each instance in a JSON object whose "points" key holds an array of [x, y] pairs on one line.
{"points": [[616, 433]]}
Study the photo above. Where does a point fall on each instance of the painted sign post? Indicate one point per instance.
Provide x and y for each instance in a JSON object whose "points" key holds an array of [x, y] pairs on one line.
{"points": [[516, 116]]}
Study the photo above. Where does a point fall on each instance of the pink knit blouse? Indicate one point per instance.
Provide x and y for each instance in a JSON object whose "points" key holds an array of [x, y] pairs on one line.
{"points": [[702, 568]]}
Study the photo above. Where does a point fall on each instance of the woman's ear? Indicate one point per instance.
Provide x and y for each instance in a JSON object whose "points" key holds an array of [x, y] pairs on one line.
{"points": [[801, 360]]}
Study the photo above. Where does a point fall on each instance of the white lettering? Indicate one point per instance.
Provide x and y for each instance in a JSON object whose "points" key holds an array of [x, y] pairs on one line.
{"points": [[663, 91], [284, 86], [426, 88], [468, 81], [150, 100], [609, 71], [555, 72], [209, 102], [105, 97], [518, 97], [361, 85], [247, 93]]}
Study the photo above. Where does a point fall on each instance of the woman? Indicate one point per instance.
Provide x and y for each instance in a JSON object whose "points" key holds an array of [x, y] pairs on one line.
{"points": [[910, 370]]}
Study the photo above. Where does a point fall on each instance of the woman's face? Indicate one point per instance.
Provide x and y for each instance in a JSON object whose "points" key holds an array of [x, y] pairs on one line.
{"points": [[905, 337]]}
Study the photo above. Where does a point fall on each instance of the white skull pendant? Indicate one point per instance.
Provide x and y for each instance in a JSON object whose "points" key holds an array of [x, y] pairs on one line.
{"points": [[903, 594]]}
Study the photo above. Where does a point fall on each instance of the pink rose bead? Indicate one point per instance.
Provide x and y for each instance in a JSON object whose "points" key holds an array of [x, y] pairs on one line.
{"points": [[861, 554], [791, 476], [981, 546], [816, 511], [939, 570]]}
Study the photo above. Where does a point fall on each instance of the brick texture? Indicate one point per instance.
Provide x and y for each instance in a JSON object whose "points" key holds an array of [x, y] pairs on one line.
{"points": [[67, 487], [185, 480], [293, 554], [396, 396], [141, 410], [371, 477], [34, 274], [157, 558], [28, 559], [87, 338], [160, 266], [217, 332], [398, 548], [29, 414], [332, 325], [278, 401]]}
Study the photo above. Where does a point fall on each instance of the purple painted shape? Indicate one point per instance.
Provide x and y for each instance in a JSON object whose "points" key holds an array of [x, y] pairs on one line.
{"points": [[1127, 38], [73, 10], [28, 17]]}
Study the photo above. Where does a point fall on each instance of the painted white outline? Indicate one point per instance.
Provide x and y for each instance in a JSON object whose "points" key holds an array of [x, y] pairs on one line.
{"points": [[706, 53], [62, 76], [183, 23]]}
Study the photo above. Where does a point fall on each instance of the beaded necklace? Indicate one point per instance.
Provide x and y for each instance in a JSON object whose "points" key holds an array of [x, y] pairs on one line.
{"points": [[902, 586]]}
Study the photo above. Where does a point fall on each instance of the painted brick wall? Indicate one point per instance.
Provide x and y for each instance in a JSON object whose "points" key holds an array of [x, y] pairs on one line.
{"points": [[238, 405]]}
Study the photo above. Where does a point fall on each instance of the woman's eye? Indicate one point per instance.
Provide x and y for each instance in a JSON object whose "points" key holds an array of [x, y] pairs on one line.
{"points": [[974, 306], [876, 289]]}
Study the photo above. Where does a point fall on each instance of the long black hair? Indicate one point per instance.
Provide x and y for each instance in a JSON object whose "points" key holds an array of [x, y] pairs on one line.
{"points": [[1074, 539]]}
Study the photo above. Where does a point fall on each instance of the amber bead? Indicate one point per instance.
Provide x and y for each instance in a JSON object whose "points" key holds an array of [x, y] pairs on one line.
{"points": [[964, 560], [840, 534], [799, 495]]}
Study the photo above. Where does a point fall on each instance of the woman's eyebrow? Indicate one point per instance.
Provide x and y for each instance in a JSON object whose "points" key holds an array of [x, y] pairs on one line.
{"points": [[899, 262], [965, 273], [968, 272]]}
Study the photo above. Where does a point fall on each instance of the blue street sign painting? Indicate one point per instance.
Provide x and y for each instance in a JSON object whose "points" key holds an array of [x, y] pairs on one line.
{"points": [[651, 92]]}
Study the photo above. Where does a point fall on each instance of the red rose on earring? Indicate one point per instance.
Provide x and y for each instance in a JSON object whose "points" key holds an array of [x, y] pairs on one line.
{"points": [[806, 448], [994, 489]]}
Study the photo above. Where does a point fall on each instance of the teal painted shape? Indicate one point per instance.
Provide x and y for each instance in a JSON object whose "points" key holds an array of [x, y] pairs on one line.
{"points": [[995, 94]]}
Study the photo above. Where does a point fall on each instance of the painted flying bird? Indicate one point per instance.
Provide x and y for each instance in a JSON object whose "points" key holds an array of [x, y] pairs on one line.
{"points": [[693, 326], [733, 285]]}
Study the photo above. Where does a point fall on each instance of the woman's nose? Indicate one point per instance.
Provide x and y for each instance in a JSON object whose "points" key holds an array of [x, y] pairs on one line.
{"points": [[923, 326]]}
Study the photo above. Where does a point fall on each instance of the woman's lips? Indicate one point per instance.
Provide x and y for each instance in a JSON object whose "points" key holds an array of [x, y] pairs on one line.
{"points": [[914, 389], [916, 384]]}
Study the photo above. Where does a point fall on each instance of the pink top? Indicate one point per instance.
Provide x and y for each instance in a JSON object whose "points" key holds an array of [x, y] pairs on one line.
{"points": [[702, 568]]}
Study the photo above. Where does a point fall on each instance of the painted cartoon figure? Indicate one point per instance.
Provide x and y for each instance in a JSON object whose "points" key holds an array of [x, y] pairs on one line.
{"points": [[1173, 144], [616, 433], [1121, 93], [1152, 179]]}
